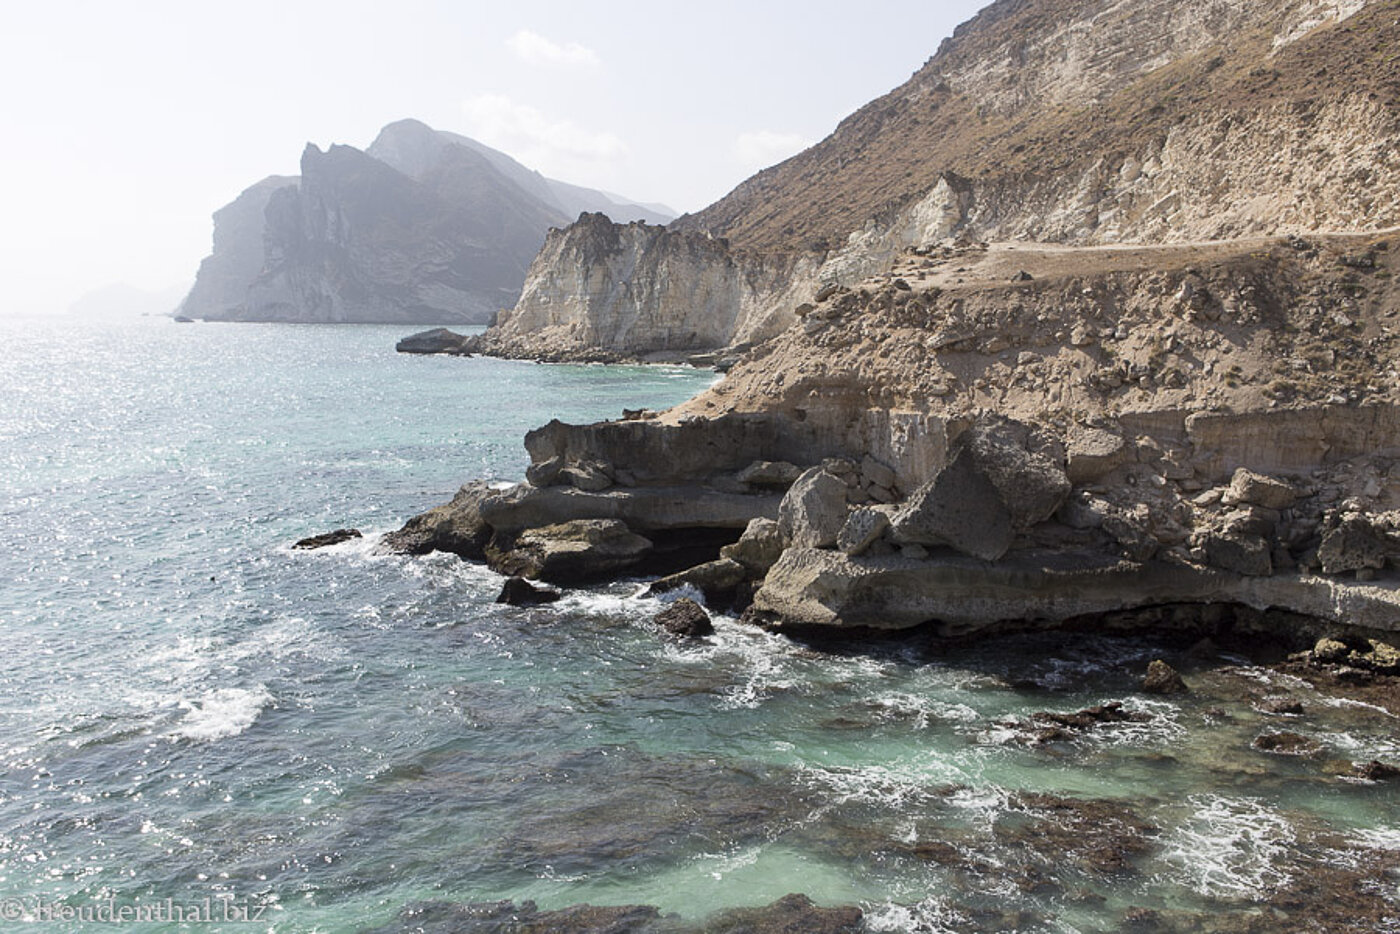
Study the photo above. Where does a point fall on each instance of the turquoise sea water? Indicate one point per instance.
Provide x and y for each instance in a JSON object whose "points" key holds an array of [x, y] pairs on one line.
{"points": [[190, 710]]}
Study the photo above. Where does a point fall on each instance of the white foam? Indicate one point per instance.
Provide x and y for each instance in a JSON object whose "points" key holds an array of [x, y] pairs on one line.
{"points": [[1230, 847], [221, 713], [931, 916], [1379, 838]]}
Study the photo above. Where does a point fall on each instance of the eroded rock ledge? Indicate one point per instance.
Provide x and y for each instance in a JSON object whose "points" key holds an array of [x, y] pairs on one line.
{"points": [[972, 524]]}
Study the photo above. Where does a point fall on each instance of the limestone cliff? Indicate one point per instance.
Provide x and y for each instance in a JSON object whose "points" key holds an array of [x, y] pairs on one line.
{"points": [[603, 290], [423, 227], [1132, 121]]}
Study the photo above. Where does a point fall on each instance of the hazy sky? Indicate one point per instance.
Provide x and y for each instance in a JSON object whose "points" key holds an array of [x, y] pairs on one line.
{"points": [[128, 123]]}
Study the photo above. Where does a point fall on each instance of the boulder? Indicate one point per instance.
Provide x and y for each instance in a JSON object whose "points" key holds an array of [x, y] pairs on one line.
{"points": [[1240, 553], [1093, 452], [517, 591], [685, 618], [759, 548], [718, 580], [437, 340], [545, 473], [769, 474], [961, 508], [1353, 545], [579, 550], [1249, 487], [457, 527], [814, 510], [1162, 678], [1030, 484], [327, 539], [877, 474], [588, 476], [863, 528]]}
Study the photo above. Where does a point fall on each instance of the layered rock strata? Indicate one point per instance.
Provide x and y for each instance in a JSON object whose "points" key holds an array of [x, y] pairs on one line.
{"points": [[1007, 437]]}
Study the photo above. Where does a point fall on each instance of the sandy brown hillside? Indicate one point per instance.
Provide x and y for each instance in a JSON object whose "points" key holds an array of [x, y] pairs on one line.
{"points": [[1034, 89]]}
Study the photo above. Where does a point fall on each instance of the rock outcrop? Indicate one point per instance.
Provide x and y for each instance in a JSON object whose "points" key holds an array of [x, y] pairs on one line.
{"points": [[600, 290], [422, 227], [981, 436]]}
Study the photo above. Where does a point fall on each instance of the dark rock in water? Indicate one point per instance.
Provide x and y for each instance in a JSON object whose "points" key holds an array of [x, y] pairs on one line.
{"points": [[791, 914], [437, 340], [1162, 678], [1111, 712], [1099, 836], [1287, 744], [1052, 726], [1376, 771], [517, 591], [181, 319], [328, 538], [507, 917], [685, 618], [1279, 706]]}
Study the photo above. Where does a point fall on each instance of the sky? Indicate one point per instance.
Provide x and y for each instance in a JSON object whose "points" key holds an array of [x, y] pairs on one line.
{"points": [[128, 124]]}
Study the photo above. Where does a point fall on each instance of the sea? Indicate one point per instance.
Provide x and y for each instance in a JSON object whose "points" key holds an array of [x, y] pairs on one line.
{"points": [[194, 715]]}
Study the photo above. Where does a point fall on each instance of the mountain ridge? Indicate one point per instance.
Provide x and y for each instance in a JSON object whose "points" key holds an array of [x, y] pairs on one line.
{"points": [[423, 226]]}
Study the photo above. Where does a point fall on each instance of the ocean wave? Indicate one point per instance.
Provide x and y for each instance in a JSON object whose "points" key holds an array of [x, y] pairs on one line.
{"points": [[221, 713], [1230, 847]]}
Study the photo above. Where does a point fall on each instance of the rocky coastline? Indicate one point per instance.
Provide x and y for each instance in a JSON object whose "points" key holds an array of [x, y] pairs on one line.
{"points": [[958, 445]]}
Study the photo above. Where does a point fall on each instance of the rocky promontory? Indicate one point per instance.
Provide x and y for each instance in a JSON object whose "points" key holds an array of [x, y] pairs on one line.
{"points": [[1095, 355]]}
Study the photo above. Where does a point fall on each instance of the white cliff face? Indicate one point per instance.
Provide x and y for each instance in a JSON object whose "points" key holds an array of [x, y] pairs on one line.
{"points": [[636, 289]]}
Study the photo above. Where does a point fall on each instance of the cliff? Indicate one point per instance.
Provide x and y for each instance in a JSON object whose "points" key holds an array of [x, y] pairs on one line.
{"points": [[422, 227], [1109, 337], [600, 290], [1151, 121]]}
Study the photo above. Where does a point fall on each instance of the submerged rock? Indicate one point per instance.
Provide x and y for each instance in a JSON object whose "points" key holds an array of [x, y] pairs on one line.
{"points": [[791, 914], [685, 618], [328, 538], [1286, 743], [508, 917]]}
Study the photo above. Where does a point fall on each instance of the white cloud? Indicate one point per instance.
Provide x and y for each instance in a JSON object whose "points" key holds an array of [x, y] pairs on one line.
{"points": [[534, 49], [540, 141], [762, 148]]}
